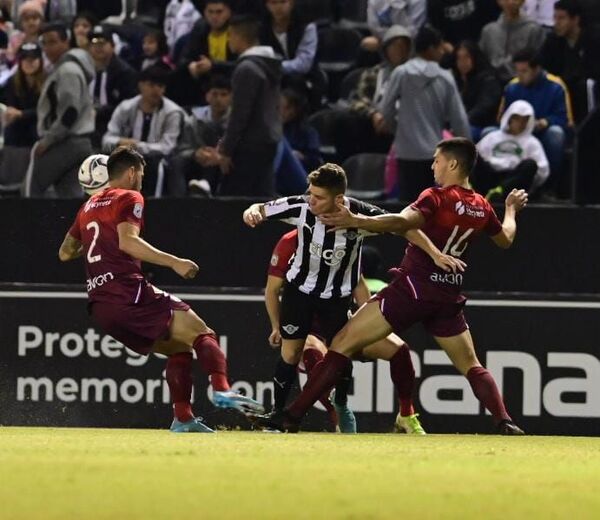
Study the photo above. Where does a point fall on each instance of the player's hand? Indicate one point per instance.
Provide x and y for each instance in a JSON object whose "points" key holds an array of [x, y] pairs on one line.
{"points": [[253, 216], [186, 268], [275, 338], [517, 199], [343, 218], [449, 263]]}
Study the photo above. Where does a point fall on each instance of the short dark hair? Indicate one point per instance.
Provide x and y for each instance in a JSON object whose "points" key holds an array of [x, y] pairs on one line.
{"points": [[225, 2], [330, 176], [123, 158], [572, 7], [220, 81], [426, 38], [161, 41], [59, 28], [461, 149], [298, 100], [158, 73], [528, 56], [247, 26]]}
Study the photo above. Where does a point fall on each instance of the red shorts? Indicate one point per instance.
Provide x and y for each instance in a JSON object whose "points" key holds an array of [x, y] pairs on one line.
{"points": [[401, 310], [138, 326]]}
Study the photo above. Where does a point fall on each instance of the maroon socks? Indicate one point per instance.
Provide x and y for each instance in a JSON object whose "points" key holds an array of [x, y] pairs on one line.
{"points": [[402, 373], [485, 389], [212, 361], [179, 379]]}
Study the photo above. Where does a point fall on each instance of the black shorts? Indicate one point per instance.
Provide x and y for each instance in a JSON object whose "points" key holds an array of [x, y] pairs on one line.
{"points": [[299, 313]]}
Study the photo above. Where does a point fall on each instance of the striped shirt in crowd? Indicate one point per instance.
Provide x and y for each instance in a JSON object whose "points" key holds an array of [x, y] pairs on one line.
{"points": [[326, 264]]}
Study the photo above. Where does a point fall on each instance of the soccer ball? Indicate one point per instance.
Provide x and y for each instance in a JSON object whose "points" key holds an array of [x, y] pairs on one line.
{"points": [[93, 174]]}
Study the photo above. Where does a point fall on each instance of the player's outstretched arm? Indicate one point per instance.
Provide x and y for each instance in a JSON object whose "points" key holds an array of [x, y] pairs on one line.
{"points": [[515, 202], [70, 249], [131, 243], [272, 291], [446, 262], [254, 215], [398, 223]]}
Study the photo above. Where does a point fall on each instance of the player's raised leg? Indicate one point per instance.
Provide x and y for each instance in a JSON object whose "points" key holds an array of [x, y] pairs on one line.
{"points": [[188, 328], [365, 327], [461, 351], [395, 350]]}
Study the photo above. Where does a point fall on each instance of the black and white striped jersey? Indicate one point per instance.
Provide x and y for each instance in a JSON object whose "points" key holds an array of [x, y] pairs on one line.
{"points": [[326, 264]]}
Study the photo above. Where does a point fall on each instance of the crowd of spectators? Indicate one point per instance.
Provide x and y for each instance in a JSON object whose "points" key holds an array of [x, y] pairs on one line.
{"points": [[233, 98]]}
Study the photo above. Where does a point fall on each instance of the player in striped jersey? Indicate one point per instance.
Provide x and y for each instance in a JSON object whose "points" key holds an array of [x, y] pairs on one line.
{"points": [[452, 214], [325, 269]]}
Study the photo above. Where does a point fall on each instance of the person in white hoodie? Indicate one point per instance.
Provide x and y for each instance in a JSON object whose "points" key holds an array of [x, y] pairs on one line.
{"points": [[511, 157]]}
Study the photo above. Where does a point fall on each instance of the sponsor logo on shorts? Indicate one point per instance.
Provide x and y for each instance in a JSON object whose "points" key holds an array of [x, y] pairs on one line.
{"points": [[451, 278], [290, 329], [472, 211], [99, 281]]}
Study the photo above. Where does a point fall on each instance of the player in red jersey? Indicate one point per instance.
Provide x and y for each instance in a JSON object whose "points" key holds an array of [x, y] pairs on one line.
{"points": [[391, 348], [106, 232], [451, 215]]}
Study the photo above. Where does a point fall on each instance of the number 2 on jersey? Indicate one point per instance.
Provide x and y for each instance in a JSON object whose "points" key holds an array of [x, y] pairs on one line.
{"points": [[455, 250], [93, 225]]}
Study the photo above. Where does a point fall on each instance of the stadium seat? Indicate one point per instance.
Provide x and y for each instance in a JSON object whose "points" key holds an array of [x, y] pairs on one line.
{"points": [[317, 11], [325, 122], [350, 82], [354, 14], [338, 49], [149, 12], [366, 173]]}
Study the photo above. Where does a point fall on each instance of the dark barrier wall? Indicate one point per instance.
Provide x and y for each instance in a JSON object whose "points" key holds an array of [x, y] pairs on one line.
{"points": [[57, 369], [556, 249]]}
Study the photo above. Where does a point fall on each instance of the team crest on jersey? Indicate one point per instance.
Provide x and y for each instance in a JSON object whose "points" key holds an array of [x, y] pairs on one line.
{"points": [[274, 260], [138, 209], [351, 235]]}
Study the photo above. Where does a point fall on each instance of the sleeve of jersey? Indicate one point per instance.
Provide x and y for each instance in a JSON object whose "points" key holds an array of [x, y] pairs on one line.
{"points": [[131, 209], [286, 209], [493, 225], [75, 230], [280, 259], [427, 204]]}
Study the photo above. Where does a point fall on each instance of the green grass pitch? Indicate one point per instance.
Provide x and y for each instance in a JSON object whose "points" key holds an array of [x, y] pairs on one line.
{"points": [[122, 474]]}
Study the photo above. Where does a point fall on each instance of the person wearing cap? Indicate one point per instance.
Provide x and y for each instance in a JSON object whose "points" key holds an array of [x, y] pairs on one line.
{"points": [[149, 121], [20, 97], [65, 115], [360, 127], [115, 80], [30, 19]]}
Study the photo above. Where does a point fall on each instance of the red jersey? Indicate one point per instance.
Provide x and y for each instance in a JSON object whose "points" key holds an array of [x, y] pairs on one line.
{"points": [[282, 254], [112, 275], [454, 216]]}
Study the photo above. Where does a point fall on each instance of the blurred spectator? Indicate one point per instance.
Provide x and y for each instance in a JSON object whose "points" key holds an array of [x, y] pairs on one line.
{"points": [[150, 122], [382, 14], [20, 97], [479, 88], [53, 10], [81, 27], [551, 104], [459, 20], [570, 52], [254, 130], [420, 90], [30, 19], [155, 49], [5, 65], [511, 33], [511, 157], [195, 163], [301, 136], [180, 17], [540, 11], [295, 42], [65, 114], [206, 51], [114, 81], [361, 129]]}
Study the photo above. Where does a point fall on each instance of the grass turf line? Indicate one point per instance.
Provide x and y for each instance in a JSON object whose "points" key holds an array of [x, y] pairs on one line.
{"points": [[96, 473]]}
